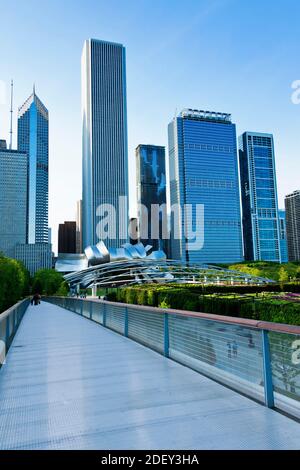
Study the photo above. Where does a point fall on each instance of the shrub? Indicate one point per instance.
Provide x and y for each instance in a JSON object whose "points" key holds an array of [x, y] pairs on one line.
{"points": [[227, 303]]}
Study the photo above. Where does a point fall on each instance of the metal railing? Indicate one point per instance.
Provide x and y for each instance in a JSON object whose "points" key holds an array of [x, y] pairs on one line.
{"points": [[9, 323], [258, 359]]}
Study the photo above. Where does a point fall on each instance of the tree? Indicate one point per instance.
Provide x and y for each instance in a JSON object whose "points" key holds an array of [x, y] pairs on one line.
{"points": [[14, 282], [47, 282], [283, 275]]}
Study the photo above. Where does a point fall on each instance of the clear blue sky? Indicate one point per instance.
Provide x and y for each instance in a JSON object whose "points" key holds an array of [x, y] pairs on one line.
{"points": [[237, 56]]}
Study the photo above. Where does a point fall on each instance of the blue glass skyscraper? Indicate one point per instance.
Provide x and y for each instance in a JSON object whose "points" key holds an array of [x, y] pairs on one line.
{"points": [[203, 167], [151, 190], [33, 138], [105, 154], [259, 197]]}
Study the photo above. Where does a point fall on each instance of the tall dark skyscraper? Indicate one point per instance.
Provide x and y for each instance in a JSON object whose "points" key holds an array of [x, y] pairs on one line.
{"points": [[151, 190], [203, 167], [292, 208], [67, 237], [259, 197], [33, 138], [283, 236], [105, 153]]}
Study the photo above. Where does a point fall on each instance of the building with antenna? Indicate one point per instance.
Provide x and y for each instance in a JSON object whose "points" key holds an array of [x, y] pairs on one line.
{"points": [[33, 137]]}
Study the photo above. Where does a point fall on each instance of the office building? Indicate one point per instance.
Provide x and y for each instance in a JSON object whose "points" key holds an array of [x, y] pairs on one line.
{"points": [[13, 199], [151, 191], [259, 197], [67, 237], [204, 183], [105, 154], [34, 256], [79, 248], [283, 236], [292, 207], [33, 122]]}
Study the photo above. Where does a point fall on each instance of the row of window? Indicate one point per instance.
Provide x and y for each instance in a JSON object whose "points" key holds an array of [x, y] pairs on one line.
{"points": [[267, 213], [211, 148], [215, 184]]}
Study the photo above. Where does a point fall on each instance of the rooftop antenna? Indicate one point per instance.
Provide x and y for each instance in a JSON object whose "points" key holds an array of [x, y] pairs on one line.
{"points": [[11, 113]]}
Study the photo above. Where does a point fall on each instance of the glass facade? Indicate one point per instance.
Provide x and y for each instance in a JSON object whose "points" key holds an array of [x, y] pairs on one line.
{"points": [[13, 200], [34, 256], [151, 190], [283, 236], [33, 138], [105, 154], [203, 170], [259, 198], [292, 207]]}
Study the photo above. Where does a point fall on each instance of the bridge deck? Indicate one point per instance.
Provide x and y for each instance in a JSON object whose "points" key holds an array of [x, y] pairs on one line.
{"points": [[71, 384]]}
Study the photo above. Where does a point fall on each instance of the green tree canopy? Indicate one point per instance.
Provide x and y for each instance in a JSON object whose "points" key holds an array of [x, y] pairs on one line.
{"points": [[47, 282], [14, 282]]}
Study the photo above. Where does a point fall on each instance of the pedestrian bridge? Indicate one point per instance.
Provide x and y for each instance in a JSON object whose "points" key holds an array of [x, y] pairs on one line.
{"points": [[170, 380]]}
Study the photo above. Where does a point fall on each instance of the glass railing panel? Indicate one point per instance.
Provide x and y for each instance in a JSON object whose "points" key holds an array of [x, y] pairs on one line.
{"points": [[228, 353], [147, 328], [97, 313], [115, 318], [285, 363]]}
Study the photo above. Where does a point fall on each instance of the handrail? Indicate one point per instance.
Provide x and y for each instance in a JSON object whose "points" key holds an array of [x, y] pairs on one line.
{"points": [[246, 322], [242, 358], [10, 320], [10, 310]]}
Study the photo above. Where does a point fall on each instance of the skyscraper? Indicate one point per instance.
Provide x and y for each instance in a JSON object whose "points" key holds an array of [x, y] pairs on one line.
{"points": [[13, 199], [203, 169], [105, 154], [283, 236], [67, 237], [151, 190], [33, 123], [292, 207], [259, 197], [34, 256]]}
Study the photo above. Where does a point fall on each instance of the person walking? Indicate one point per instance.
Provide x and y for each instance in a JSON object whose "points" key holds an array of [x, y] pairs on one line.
{"points": [[37, 299]]}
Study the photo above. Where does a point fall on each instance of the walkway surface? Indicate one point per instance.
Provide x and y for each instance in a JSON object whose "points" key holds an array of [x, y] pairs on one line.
{"points": [[71, 384]]}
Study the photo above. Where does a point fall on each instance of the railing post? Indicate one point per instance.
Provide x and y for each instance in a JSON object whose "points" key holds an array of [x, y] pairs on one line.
{"points": [[7, 332], [268, 381], [104, 315], [81, 307], [15, 319], [91, 310], [166, 335], [126, 323]]}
